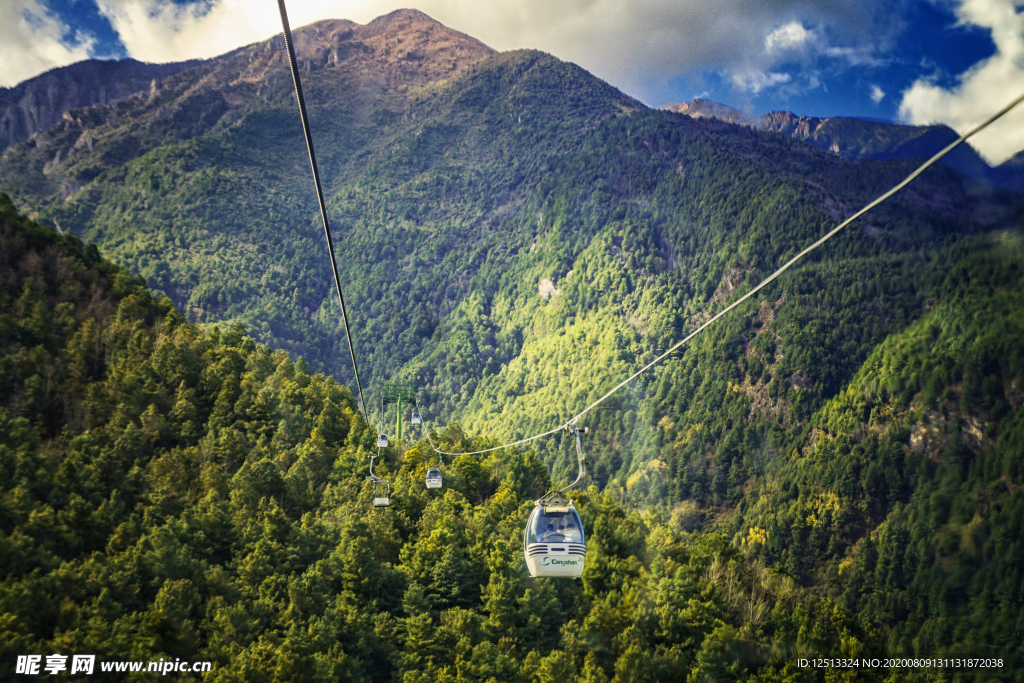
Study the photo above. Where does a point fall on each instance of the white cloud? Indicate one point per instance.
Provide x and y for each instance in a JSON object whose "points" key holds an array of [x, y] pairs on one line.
{"points": [[984, 88], [856, 55], [877, 94], [32, 40], [155, 31], [789, 37], [754, 82]]}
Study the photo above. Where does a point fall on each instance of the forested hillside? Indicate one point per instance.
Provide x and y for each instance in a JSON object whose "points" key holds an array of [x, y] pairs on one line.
{"points": [[834, 469], [513, 234], [175, 493]]}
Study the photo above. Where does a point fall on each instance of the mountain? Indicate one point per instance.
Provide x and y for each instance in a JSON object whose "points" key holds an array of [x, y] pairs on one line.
{"points": [[706, 109], [515, 237], [40, 103], [395, 54], [488, 208], [1010, 173], [490, 211], [175, 494], [857, 138]]}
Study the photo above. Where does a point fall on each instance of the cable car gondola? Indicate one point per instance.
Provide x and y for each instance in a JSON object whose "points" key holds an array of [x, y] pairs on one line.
{"points": [[381, 487], [382, 441], [554, 543], [434, 479], [381, 493]]}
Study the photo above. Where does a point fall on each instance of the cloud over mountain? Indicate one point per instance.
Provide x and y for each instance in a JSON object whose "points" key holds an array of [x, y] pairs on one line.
{"points": [[984, 88], [839, 57], [33, 40]]}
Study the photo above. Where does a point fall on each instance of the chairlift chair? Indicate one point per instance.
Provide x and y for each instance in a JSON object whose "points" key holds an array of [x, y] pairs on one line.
{"points": [[381, 487]]}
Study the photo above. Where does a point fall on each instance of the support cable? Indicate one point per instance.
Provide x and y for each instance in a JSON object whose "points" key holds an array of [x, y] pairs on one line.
{"points": [[320, 199], [426, 432], [906, 181]]}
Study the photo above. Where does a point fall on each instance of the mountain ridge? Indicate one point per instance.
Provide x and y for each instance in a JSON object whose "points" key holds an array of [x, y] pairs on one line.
{"points": [[37, 104], [859, 138], [196, 98]]}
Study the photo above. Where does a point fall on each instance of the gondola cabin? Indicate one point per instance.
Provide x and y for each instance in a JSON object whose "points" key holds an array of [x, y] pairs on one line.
{"points": [[434, 478], [382, 441], [416, 419], [554, 543], [381, 494]]}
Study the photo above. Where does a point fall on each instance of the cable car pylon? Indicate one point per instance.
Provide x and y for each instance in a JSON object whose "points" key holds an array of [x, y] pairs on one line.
{"points": [[554, 543]]}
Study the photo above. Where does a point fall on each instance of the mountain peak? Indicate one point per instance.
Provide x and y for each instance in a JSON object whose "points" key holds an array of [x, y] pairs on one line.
{"points": [[707, 109], [405, 17], [403, 47], [410, 34], [1016, 161]]}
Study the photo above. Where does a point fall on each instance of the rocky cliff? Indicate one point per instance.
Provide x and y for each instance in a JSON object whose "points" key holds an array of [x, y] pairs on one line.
{"points": [[373, 69], [39, 103]]}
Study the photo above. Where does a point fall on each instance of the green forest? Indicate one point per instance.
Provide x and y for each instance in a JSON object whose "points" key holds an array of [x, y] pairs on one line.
{"points": [[171, 491], [833, 470]]}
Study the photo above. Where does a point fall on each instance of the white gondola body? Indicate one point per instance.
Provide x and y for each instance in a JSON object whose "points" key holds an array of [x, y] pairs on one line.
{"points": [[416, 419], [382, 441], [551, 551], [434, 479], [381, 492]]}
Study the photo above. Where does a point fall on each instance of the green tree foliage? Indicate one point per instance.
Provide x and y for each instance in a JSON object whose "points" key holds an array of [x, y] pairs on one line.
{"points": [[517, 240], [170, 492], [901, 494], [833, 469]]}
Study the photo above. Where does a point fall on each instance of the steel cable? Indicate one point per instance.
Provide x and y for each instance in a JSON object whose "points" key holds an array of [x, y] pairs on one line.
{"points": [[320, 199]]}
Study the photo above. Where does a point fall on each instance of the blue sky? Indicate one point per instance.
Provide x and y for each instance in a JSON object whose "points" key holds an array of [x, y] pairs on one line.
{"points": [[910, 61]]}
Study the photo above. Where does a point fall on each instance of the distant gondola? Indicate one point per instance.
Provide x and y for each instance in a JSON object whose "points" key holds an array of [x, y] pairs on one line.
{"points": [[381, 494], [434, 479]]}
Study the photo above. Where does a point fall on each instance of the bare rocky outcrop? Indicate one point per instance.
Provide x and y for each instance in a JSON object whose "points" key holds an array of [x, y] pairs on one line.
{"points": [[39, 103], [706, 109], [62, 129]]}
